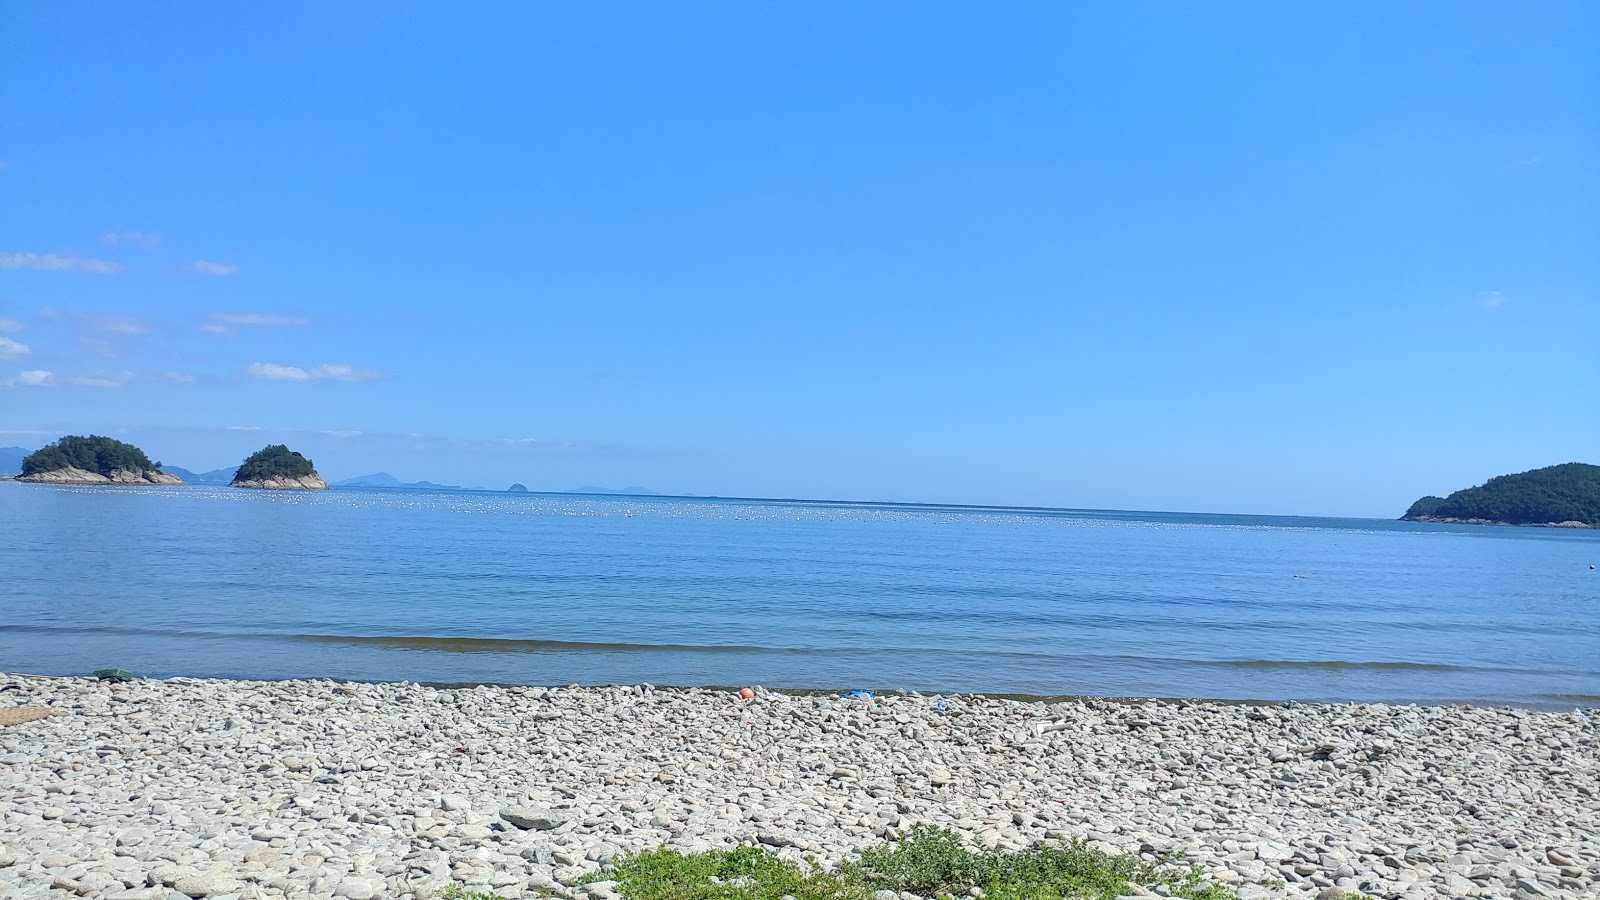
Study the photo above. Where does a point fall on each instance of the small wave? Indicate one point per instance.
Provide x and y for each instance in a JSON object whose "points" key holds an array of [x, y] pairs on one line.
{"points": [[519, 645], [1585, 699], [1339, 665], [443, 644]]}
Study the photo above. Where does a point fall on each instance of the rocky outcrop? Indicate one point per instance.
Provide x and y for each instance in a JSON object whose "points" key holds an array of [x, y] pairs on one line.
{"points": [[1448, 520], [518, 488], [312, 482], [74, 475]]}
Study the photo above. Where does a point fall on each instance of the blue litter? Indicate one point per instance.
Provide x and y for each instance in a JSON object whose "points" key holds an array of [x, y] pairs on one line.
{"points": [[865, 695]]}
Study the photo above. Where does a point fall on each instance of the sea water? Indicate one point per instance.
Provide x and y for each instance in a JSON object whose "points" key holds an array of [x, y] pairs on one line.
{"points": [[464, 586]]}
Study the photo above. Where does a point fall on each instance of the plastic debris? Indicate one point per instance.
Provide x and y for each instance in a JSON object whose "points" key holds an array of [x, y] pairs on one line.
{"points": [[116, 676]]}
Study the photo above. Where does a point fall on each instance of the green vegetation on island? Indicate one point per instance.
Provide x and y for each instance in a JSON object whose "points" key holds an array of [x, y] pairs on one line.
{"points": [[274, 461], [101, 455], [1554, 495]]}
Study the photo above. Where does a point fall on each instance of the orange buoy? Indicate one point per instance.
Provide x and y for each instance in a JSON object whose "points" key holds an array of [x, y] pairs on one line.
{"points": [[746, 693]]}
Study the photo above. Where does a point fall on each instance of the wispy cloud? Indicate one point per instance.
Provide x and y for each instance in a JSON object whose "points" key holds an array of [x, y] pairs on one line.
{"points": [[227, 323], [207, 267], [324, 372], [45, 378], [141, 240], [100, 381], [10, 349], [258, 319], [10, 326], [244, 427], [123, 325], [58, 262], [1534, 160], [1491, 299]]}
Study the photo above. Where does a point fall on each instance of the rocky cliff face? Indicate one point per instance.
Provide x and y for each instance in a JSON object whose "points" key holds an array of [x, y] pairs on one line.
{"points": [[312, 482], [72, 475]]}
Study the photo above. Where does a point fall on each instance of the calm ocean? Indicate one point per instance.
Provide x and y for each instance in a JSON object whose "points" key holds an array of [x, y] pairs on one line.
{"points": [[550, 589]]}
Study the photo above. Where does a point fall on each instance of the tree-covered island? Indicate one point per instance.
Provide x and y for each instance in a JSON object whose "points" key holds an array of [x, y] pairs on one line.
{"points": [[74, 459], [277, 467], [1568, 494]]}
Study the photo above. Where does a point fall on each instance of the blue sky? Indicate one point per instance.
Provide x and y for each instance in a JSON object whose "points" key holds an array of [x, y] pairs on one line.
{"points": [[1287, 258]]}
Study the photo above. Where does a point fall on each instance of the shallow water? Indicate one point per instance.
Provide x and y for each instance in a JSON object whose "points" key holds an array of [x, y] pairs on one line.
{"points": [[530, 588]]}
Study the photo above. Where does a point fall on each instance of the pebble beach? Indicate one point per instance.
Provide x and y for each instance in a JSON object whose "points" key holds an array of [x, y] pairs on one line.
{"points": [[309, 789]]}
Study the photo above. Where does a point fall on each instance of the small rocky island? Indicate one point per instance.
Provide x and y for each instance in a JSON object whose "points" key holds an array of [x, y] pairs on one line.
{"points": [[73, 459], [276, 467], [1565, 496], [518, 488]]}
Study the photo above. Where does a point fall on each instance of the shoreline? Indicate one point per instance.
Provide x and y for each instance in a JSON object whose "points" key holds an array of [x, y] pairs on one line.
{"points": [[1588, 704], [315, 788]]}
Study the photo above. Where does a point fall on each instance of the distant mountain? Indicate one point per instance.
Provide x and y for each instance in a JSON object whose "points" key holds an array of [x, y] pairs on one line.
{"points": [[11, 460], [634, 491], [385, 480], [215, 476], [376, 479], [1567, 494]]}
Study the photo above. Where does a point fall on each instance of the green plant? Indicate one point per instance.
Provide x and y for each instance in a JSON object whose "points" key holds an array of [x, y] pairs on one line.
{"points": [[926, 861], [742, 873], [457, 892], [931, 861]]}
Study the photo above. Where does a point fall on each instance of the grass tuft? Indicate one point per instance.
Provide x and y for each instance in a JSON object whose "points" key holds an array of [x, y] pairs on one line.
{"points": [[457, 892], [926, 861], [742, 873]]}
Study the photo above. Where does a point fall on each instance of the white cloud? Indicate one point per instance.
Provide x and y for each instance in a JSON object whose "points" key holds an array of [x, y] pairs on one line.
{"points": [[10, 349], [125, 325], [258, 319], [1491, 299], [343, 435], [100, 381], [36, 378], [275, 372], [324, 372], [207, 267], [244, 427], [57, 262], [142, 240], [10, 326], [225, 323]]}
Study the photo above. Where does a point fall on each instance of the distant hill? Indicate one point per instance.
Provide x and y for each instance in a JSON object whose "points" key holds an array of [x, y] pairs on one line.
{"points": [[215, 476], [385, 480], [634, 491], [11, 460], [376, 479], [1555, 495]]}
